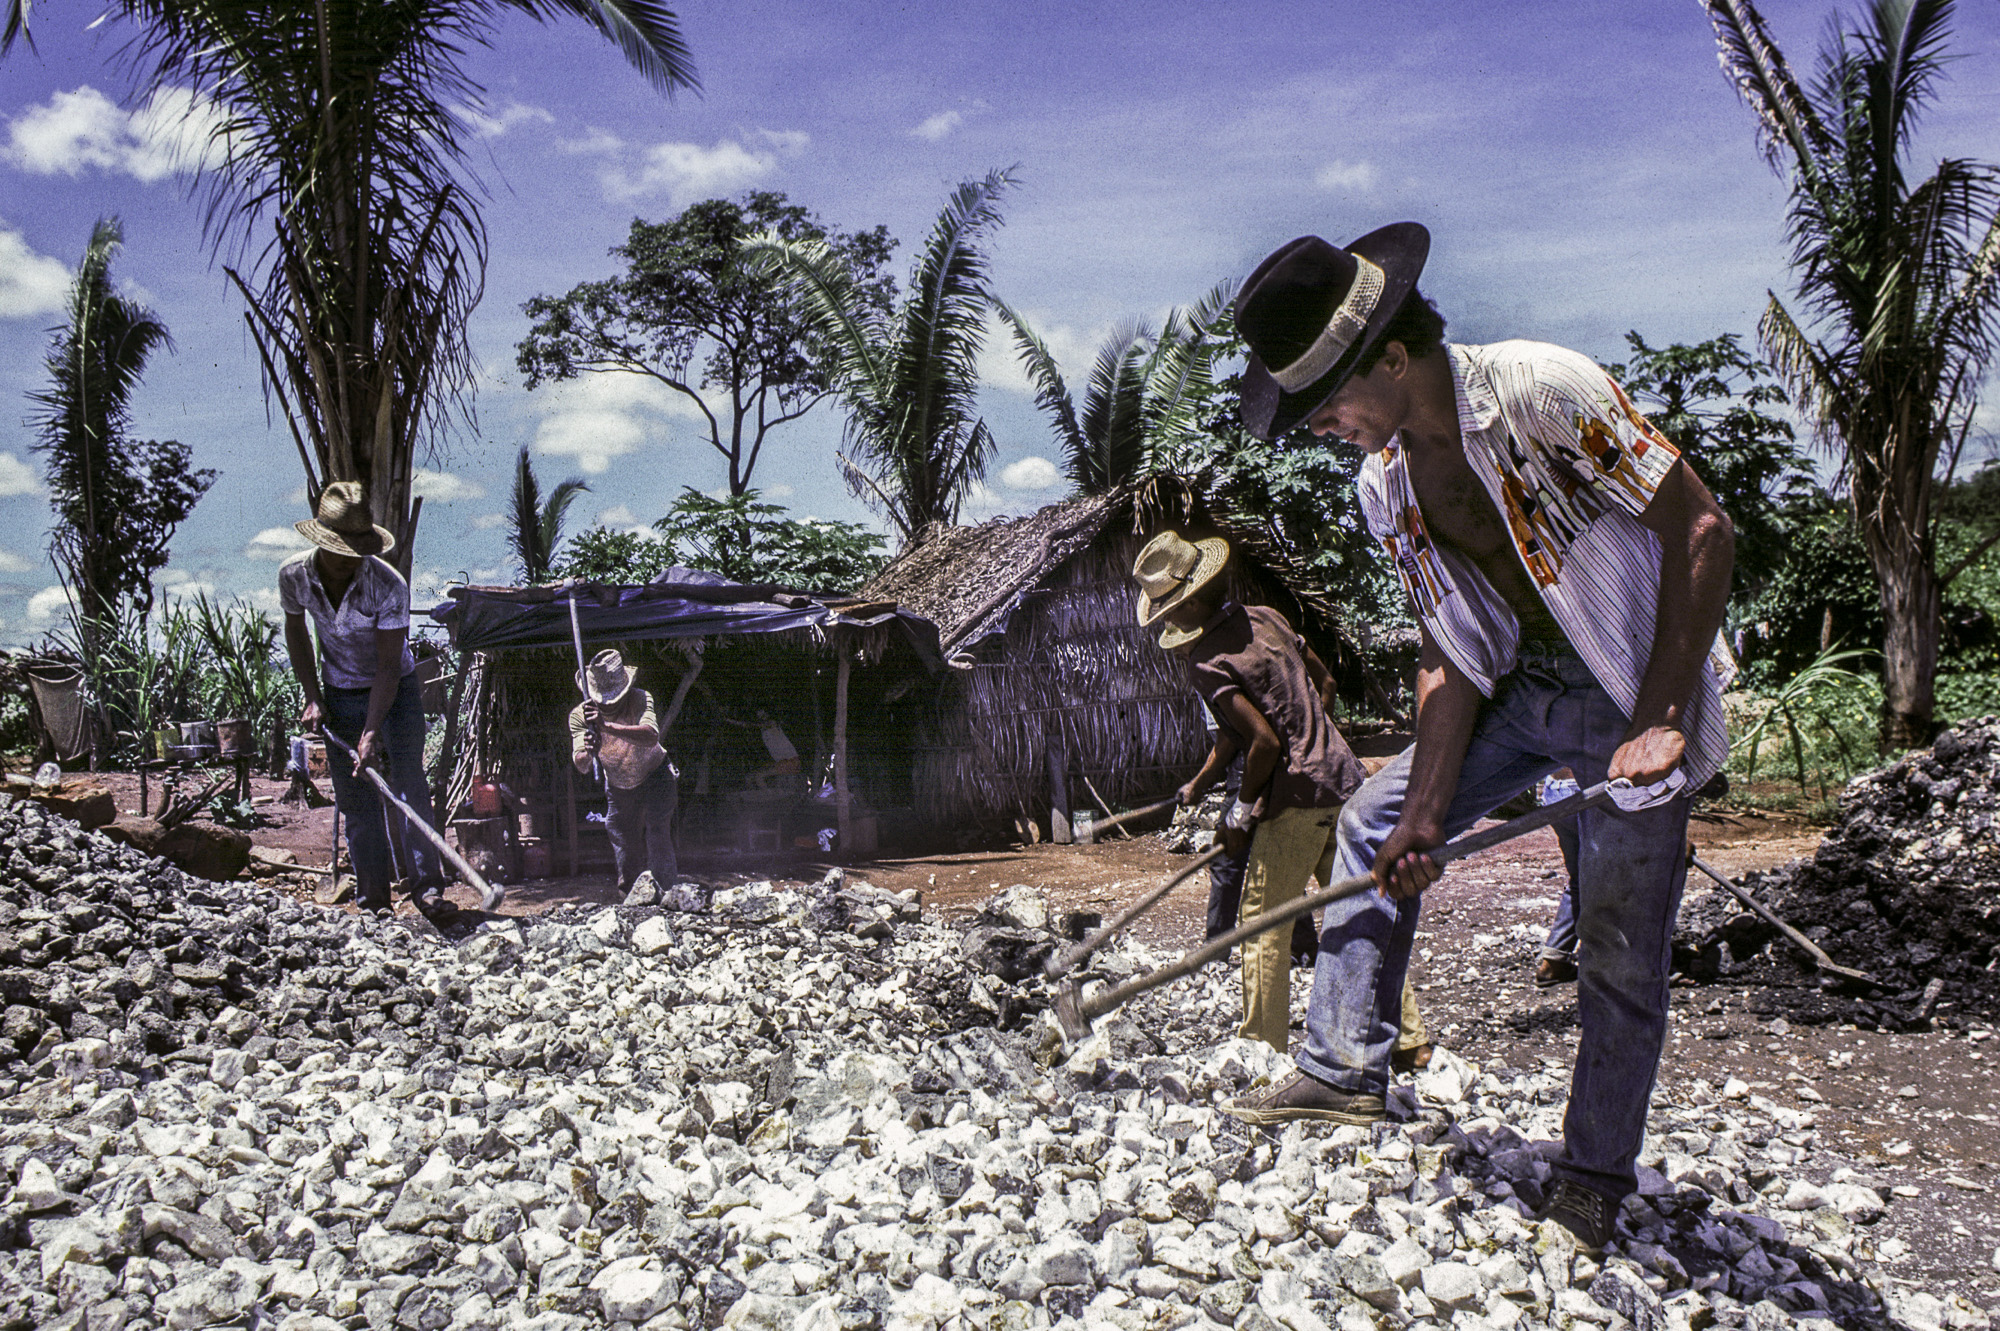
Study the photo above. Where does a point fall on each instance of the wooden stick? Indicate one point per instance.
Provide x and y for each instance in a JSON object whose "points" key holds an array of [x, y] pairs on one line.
{"points": [[1770, 917], [490, 895]]}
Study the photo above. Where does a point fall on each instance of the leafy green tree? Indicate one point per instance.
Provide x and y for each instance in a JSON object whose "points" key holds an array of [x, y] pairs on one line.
{"points": [[343, 173], [689, 313], [1143, 395], [1821, 595], [1715, 401], [1901, 278], [909, 379], [534, 524], [117, 501], [738, 536]]}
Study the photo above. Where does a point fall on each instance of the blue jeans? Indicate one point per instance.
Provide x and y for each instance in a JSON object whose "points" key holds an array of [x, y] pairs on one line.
{"points": [[641, 824], [1549, 712], [362, 811]]}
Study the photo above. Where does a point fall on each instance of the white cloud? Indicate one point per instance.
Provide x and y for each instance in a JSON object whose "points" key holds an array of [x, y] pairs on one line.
{"points": [[442, 487], [620, 517], [296, 496], [266, 599], [16, 476], [13, 563], [599, 417], [30, 283], [1073, 348], [687, 172], [488, 521], [276, 544], [1030, 473], [46, 605], [779, 491], [937, 126], [85, 129], [1346, 177], [492, 124]]}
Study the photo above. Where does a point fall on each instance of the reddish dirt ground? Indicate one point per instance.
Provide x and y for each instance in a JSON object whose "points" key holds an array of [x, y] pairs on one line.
{"points": [[1913, 1111]]}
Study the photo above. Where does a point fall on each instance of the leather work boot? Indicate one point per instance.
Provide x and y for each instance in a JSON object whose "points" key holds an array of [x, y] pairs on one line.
{"points": [[1554, 971], [1590, 1216], [1301, 1098], [1411, 1060]]}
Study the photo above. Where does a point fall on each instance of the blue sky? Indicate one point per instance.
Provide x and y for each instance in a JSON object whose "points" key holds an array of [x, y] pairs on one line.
{"points": [[1584, 169]]}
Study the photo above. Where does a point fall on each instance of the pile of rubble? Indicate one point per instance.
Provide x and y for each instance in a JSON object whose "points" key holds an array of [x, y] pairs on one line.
{"points": [[1906, 886], [227, 1110]]}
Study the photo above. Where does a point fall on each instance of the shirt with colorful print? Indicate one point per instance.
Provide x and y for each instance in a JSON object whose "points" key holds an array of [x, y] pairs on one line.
{"points": [[1570, 463]]}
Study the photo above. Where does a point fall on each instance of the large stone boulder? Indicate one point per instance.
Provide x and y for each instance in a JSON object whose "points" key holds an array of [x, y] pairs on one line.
{"points": [[202, 849]]}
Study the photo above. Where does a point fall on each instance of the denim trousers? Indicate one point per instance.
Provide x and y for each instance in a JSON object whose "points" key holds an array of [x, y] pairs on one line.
{"points": [[363, 812], [1561, 942], [1548, 712], [641, 824]]}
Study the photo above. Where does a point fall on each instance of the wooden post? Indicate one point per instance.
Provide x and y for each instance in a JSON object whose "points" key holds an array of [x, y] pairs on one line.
{"points": [[840, 798], [1058, 753]]}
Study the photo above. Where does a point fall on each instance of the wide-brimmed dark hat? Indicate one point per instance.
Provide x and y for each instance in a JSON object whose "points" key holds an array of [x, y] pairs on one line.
{"points": [[1311, 310]]}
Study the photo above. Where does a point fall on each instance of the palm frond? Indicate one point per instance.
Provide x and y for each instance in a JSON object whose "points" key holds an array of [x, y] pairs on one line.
{"points": [[1052, 393], [1793, 132], [551, 517], [834, 305], [646, 31], [1808, 374], [524, 518]]}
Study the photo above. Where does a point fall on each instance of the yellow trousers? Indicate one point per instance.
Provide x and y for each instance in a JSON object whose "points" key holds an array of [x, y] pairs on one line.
{"points": [[1289, 849]]}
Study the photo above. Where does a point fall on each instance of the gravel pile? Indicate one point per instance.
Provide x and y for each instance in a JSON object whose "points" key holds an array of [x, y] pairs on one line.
{"points": [[798, 1111], [1906, 887]]}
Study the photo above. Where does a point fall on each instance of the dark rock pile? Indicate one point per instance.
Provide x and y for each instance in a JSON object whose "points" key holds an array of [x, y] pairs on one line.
{"points": [[226, 1110], [1906, 886]]}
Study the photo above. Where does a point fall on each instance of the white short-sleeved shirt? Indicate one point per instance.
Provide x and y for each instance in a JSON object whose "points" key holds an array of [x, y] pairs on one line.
{"points": [[378, 598], [1570, 464]]}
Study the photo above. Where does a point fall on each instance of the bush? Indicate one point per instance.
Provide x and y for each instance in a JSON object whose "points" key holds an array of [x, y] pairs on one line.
{"points": [[1817, 729]]}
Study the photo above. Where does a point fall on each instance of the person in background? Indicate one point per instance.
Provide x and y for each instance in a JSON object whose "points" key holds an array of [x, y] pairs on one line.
{"points": [[1264, 686], [1558, 961], [617, 729], [363, 687]]}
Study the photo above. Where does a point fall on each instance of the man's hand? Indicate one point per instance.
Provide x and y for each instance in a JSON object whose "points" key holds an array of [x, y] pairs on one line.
{"points": [[593, 712], [1647, 756], [368, 752], [311, 719], [590, 741], [1401, 868], [1185, 796]]}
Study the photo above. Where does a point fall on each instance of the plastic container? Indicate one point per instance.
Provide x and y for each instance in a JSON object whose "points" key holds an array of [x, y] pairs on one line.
{"points": [[236, 738]]}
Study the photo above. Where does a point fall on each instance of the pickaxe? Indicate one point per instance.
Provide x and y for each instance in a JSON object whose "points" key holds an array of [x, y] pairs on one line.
{"points": [[490, 895], [1074, 1012], [1087, 826], [1769, 916]]}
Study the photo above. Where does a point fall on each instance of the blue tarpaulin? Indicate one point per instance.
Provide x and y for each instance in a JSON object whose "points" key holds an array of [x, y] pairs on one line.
{"points": [[681, 603]]}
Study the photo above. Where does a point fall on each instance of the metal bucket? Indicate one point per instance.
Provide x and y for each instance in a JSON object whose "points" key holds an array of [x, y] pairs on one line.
{"points": [[198, 734], [236, 738]]}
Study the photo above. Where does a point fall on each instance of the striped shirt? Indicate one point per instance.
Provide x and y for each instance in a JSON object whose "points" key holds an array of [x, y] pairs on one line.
{"points": [[1570, 464]]}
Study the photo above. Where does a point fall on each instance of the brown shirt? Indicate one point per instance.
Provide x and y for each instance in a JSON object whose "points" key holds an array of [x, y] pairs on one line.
{"points": [[1253, 651]]}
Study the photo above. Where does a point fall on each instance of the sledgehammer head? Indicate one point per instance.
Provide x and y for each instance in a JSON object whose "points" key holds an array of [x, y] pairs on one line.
{"points": [[1069, 1012]]}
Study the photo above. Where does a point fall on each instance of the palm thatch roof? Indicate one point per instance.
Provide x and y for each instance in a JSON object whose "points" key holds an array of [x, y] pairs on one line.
{"points": [[968, 580]]}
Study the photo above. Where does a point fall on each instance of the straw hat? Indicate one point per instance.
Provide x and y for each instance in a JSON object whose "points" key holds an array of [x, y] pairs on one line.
{"points": [[343, 525], [1169, 570], [606, 679]]}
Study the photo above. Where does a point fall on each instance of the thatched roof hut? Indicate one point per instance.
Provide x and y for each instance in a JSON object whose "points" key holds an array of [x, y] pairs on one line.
{"points": [[1058, 699]]}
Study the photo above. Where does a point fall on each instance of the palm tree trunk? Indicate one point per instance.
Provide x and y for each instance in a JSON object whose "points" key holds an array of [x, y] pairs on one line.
{"points": [[1912, 597]]}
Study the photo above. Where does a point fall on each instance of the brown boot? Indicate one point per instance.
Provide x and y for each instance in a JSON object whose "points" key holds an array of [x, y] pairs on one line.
{"points": [[1411, 1060], [1300, 1098], [1554, 971]]}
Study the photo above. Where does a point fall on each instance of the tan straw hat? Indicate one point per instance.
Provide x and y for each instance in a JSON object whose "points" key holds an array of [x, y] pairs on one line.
{"points": [[1169, 570], [606, 679], [343, 525]]}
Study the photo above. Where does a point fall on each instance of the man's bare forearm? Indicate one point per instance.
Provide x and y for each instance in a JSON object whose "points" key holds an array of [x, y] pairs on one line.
{"points": [[1447, 705], [1697, 556]]}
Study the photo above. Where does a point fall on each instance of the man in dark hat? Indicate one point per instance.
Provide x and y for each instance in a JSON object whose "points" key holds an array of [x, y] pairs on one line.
{"points": [[369, 697], [1568, 573]]}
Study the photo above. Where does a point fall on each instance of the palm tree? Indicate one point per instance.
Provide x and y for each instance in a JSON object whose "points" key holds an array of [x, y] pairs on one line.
{"points": [[910, 378], [1900, 279], [117, 500], [1143, 397], [534, 526], [339, 132]]}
